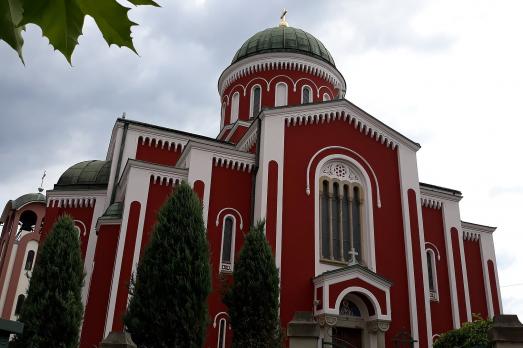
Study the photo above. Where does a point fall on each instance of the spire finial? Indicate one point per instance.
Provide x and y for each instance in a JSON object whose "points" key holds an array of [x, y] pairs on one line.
{"points": [[41, 188], [283, 21]]}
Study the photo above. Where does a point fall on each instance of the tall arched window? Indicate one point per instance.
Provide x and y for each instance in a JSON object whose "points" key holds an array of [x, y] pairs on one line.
{"points": [[222, 122], [306, 95], [19, 303], [235, 107], [221, 333], [255, 100], [29, 260], [432, 275], [326, 97], [281, 94], [342, 210], [228, 236]]}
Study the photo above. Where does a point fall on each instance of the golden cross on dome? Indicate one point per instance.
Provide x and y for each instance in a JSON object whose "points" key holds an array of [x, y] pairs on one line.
{"points": [[283, 22]]}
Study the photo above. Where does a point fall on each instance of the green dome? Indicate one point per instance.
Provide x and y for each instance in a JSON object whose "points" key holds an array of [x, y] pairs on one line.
{"points": [[283, 39], [85, 175], [28, 198]]}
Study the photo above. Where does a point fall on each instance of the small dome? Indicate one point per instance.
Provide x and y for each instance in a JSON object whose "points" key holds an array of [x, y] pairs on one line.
{"points": [[283, 39], [85, 175], [28, 198]]}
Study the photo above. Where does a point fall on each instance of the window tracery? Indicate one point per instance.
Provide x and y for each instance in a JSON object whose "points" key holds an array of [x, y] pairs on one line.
{"points": [[341, 213]]}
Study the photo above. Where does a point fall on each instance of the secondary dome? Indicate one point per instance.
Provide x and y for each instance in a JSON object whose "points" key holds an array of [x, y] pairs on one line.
{"points": [[283, 39], [85, 175], [28, 198]]}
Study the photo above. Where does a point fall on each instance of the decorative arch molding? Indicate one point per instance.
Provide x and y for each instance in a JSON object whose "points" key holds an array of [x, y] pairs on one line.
{"points": [[81, 226], [72, 202], [288, 61], [470, 235], [232, 163], [329, 92], [308, 81], [356, 289], [429, 202], [332, 287], [162, 143], [252, 82], [236, 89], [281, 75], [327, 117], [350, 159], [221, 315], [233, 210], [434, 248], [164, 180]]}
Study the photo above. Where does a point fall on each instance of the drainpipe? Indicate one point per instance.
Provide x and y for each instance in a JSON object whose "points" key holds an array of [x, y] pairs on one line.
{"points": [[119, 163]]}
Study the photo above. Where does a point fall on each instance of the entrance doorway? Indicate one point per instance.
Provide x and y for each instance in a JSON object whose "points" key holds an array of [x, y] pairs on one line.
{"points": [[344, 337]]}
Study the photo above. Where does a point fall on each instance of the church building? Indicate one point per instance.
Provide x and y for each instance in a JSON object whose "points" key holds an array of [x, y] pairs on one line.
{"points": [[367, 253]]}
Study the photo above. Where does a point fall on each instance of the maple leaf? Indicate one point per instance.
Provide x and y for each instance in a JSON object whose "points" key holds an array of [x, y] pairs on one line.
{"points": [[61, 22], [10, 31]]}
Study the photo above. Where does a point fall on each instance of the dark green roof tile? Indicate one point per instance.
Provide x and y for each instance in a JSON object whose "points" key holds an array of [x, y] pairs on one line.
{"points": [[28, 198], [85, 175], [283, 39]]}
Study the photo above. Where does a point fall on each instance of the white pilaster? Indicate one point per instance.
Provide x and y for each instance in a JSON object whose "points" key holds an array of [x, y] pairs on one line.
{"points": [[409, 180], [137, 190]]}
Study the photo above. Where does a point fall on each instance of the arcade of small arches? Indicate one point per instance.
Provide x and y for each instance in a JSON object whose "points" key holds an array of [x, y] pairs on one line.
{"points": [[255, 95]]}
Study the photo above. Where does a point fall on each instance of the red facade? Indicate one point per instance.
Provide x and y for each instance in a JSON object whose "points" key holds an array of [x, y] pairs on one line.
{"points": [[360, 243]]}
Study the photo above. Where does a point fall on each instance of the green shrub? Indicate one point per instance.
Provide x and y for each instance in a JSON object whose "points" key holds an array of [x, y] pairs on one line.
{"points": [[470, 335]]}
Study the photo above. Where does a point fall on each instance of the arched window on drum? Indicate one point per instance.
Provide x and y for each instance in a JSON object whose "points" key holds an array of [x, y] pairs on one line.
{"points": [[227, 249], [306, 95], [255, 100], [235, 107], [342, 212], [281, 94]]}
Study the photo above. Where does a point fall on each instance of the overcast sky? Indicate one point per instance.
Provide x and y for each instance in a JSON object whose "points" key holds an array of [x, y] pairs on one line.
{"points": [[447, 74]]}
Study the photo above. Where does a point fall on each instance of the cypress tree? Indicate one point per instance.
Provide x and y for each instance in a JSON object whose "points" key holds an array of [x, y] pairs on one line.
{"points": [[53, 310], [253, 299], [168, 307]]}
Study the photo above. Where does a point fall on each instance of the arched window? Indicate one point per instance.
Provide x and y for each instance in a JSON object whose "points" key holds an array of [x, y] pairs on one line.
{"points": [[228, 235], [235, 107], [326, 97], [19, 304], [221, 333], [222, 122], [306, 95], [281, 94], [342, 210], [255, 100], [432, 275], [29, 260]]}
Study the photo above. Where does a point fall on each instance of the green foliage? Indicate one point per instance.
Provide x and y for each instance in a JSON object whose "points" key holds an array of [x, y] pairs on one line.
{"points": [[470, 335], [10, 31], [62, 21], [172, 283], [253, 299], [53, 310]]}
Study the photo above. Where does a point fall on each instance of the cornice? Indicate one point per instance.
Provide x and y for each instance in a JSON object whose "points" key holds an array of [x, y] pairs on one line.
{"points": [[472, 231], [341, 109], [359, 270], [433, 196], [281, 60], [74, 199], [222, 155]]}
